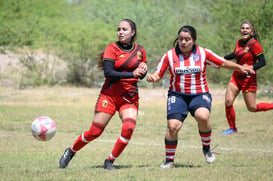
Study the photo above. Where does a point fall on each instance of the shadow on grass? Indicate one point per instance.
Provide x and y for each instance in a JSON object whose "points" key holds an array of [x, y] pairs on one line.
{"points": [[116, 166], [186, 165], [176, 165]]}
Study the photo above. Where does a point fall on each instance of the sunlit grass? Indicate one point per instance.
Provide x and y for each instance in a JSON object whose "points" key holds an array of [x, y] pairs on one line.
{"points": [[247, 155]]}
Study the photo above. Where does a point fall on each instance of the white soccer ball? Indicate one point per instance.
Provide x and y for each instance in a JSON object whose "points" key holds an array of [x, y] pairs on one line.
{"points": [[43, 128]]}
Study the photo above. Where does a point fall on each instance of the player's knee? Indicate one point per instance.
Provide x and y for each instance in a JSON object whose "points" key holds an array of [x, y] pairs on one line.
{"points": [[173, 129], [128, 127], [251, 108], [94, 132]]}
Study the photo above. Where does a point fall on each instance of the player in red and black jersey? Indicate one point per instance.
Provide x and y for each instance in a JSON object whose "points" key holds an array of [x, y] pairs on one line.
{"points": [[248, 52], [123, 63], [188, 90]]}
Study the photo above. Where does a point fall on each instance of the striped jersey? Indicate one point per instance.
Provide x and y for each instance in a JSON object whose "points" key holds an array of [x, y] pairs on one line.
{"points": [[188, 74]]}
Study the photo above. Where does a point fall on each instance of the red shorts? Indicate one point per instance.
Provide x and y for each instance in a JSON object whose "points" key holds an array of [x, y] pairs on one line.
{"points": [[111, 104], [246, 83]]}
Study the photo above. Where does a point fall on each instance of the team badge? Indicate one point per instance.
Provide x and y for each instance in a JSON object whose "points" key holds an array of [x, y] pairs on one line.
{"points": [[139, 55], [205, 97], [104, 103], [246, 49], [196, 57]]}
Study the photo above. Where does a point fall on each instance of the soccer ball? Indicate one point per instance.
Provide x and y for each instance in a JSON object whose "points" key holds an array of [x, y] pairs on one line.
{"points": [[43, 128]]}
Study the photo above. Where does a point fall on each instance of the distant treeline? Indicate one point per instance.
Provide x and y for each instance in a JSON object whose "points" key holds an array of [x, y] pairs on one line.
{"points": [[77, 30]]}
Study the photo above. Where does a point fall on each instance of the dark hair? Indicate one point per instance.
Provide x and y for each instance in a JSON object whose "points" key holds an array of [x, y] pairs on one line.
{"points": [[133, 27], [188, 29], [255, 34]]}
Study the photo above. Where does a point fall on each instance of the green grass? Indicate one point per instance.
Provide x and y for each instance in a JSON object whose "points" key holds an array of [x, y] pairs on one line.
{"points": [[247, 155]]}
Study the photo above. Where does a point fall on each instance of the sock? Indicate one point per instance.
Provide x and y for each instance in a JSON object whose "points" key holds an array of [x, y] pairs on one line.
{"points": [[128, 127], [170, 148], [205, 139], [230, 115], [94, 132], [264, 106]]}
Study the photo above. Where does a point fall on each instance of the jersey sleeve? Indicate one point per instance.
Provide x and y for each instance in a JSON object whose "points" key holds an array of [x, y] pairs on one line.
{"points": [[109, 53], [144, 56], [257, 49], [213, 59], [162, 65]]}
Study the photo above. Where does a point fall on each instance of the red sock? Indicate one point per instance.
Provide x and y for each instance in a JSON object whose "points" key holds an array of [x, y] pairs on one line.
{"points": [[205, 138], [94, 132], [128, 127], [170, 148], [264, 106], [118, 148], [230, 115]]}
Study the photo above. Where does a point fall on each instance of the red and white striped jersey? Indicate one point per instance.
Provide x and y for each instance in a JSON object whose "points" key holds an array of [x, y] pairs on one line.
{"points": [[188, 74]]}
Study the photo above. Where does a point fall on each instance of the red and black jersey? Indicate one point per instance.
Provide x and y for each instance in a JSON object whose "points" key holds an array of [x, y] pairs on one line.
{"points": [[246, 53], [124, 61]]}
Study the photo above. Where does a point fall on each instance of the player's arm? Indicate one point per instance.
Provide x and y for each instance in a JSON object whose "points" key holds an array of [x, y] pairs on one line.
{"points": [[214, 58], [234, 66], [110, 72], [261, 62], [229, 56]]}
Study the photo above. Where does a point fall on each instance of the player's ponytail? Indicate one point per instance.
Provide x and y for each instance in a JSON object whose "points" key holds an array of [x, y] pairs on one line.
{"points": [[100, 61]]}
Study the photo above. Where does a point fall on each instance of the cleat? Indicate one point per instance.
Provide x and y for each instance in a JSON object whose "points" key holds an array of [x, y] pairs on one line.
{"points": [[167, 164], [229, 131], [65, 159], [209, 156], [108, 165]]}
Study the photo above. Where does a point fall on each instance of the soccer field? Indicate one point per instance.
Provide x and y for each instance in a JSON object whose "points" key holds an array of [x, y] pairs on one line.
{"points": [[247, 155]]}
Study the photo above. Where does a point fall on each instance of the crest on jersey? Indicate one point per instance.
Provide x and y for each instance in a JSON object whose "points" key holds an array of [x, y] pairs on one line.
{"points": [[246, 49], [196, 57], [104, 103], [139, 55]]}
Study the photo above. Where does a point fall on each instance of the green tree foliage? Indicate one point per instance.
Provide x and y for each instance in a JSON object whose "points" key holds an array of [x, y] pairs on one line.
{"points": [[228, 16], [77, 30]]}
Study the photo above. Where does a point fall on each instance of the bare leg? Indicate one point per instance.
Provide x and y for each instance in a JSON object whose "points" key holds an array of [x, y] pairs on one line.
{"points": [[250, 101]]}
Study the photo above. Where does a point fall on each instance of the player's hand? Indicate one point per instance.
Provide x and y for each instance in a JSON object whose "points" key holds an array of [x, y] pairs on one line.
{"points": [[153, 78], [247, 69], [139, 72], [143, 66]]}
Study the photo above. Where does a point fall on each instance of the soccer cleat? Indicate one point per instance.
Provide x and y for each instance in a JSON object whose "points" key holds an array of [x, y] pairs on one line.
{"points": [[209, 156], [108, 165], [65, 159], [229, 131], [167, 164]]}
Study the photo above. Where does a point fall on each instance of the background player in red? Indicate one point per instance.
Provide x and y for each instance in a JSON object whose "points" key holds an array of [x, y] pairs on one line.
{"points": [[188, 91], [123, 62], [248, 52]]}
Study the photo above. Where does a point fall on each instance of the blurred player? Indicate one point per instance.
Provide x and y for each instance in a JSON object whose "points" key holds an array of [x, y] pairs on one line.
{"points": [[248, 52]]}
